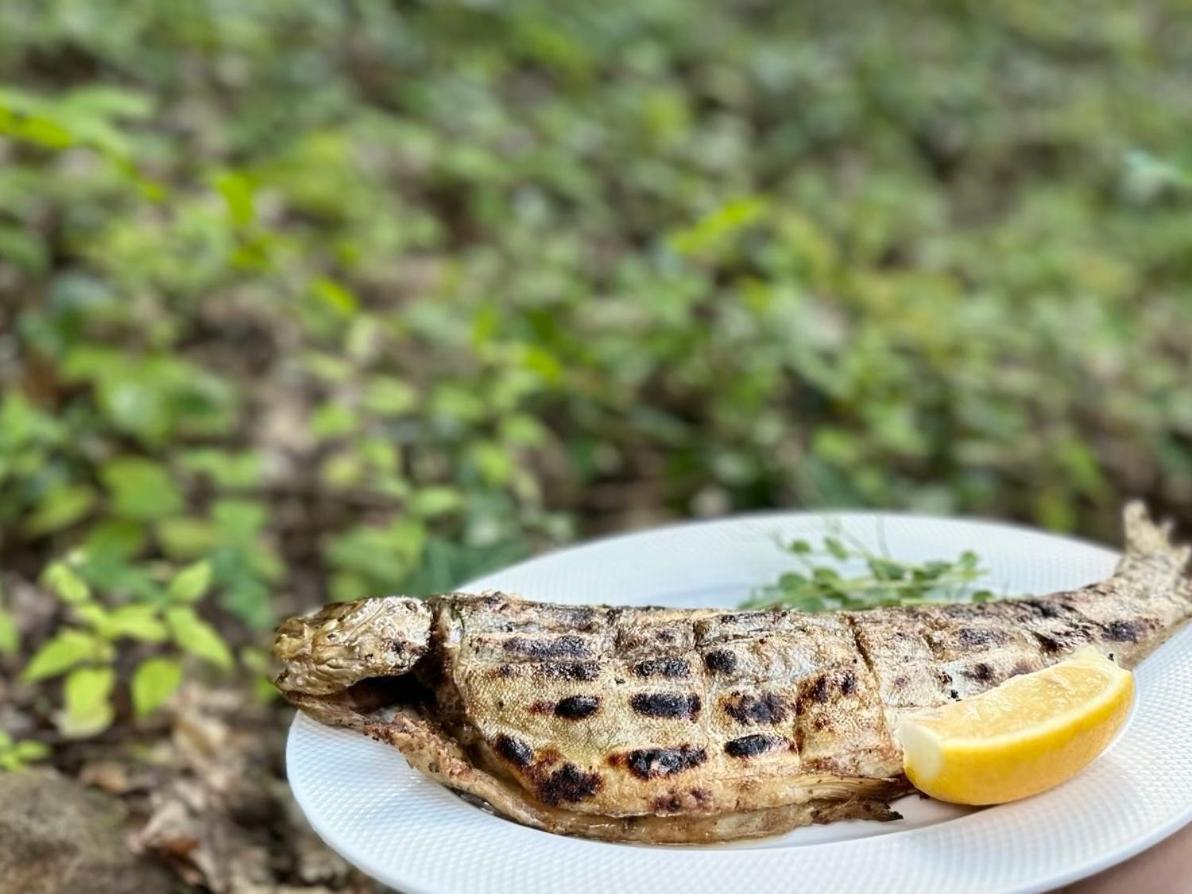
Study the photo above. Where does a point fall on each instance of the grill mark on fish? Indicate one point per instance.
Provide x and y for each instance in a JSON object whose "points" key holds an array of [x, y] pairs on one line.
{"points": [[1068, 636], [665, 704], [514, 750], [1049, 644], [548, 670], [568, 646], [671, 803], [751, 746], [848, 683], [720, 661], [818, 691], [1124, 631], [560, 670], [753, 710], [980, 636], [1042, 608], [662, 667], [583, 618], [980, 671], [568, 783], [652, 763], [638, 641], [577, 707]]}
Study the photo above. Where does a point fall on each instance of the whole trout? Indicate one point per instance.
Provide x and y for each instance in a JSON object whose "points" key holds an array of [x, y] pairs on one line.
{"points": [[665, 725]]}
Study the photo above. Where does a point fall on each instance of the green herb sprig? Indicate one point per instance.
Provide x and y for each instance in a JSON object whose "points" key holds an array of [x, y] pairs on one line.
{"points": [[820, 586]]}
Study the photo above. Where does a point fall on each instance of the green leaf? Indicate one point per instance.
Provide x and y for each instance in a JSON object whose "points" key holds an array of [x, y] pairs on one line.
{"points": [[256, 661], [836, 548], [60, 654], [23, 249], [435, 501], [335, 296], [885, 569], [520, 430], [139, 622], [30, 750], [799, 547], [92, 614], [185, 537], [114, 574], [247, 598], [332, 420], [22, 424], [388, 396], [196, 636], [494, 462], [10, 634], [140, 489], [87, 706], [458, 404], [64, 581], [239, 521], [154, 681], [114, 539], [191, 582], [825, 575], [810, 603], [135, 404], [226, 468], [718, 225], [237, 192], [60, 508]]}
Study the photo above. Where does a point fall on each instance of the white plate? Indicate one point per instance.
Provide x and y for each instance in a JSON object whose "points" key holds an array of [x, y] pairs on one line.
{"points": [[367, 804]]}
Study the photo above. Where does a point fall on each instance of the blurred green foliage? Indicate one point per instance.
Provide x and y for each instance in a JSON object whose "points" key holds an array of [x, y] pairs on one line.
{"points": [[86, 649], [359, 297], [16, 755]]}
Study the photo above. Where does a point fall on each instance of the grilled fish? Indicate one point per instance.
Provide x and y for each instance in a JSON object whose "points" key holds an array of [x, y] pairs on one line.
{"points": [[681, 726]]}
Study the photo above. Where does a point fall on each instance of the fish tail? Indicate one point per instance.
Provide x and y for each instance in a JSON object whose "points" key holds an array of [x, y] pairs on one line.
{"points": [[1149, 543]]}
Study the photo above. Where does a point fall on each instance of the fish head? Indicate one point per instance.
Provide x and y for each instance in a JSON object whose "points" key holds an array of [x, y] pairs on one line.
{"points": [[328, 651]]}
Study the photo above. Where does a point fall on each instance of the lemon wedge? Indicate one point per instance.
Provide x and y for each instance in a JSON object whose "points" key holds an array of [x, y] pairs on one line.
{"points": [[1020, 738]]}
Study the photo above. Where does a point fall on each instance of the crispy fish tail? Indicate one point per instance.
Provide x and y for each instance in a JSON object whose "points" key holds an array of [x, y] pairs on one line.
{"points": [[1149, 547]]}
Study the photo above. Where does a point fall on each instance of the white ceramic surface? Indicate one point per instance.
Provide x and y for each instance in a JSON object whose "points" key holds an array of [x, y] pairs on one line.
{"points": [[367, 804]]}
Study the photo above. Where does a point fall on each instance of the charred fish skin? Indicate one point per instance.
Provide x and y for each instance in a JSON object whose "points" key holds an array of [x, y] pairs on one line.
{"points": [[924, 656], [798, 713], [662, 725]]}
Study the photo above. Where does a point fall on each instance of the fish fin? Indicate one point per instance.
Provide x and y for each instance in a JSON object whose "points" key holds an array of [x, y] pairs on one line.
{"points": [[1150, 542]]}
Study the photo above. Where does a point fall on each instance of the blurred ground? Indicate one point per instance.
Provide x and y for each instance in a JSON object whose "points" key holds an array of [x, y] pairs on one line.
{"points": [[338, 298]]}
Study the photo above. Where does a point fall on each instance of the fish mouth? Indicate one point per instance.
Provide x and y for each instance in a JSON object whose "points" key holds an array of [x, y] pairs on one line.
{"points": [[369, 701]]}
